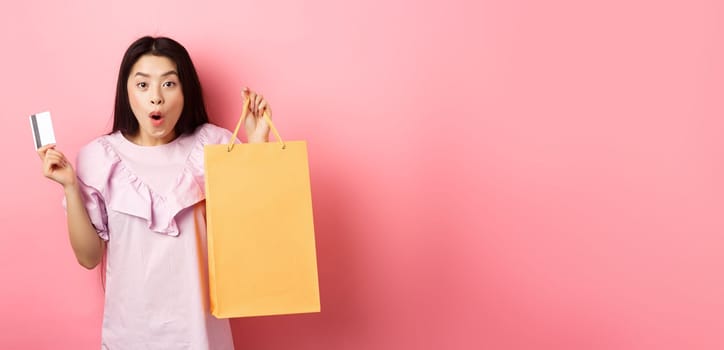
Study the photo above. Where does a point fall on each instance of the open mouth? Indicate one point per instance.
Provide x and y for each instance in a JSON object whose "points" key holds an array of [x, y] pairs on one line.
{"points": [[156, 118]]}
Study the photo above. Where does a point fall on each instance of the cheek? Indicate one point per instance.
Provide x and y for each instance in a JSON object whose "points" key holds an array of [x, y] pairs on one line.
{"points": [[133, 98], [178, 101]]}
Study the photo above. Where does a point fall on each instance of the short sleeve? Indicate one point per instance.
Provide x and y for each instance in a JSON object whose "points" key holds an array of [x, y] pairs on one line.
{"points": [[94, 166], [211, 134], [96, 208]]}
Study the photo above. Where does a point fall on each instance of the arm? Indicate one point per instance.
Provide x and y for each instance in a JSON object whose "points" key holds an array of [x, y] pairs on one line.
{"points": [[87, 245]]}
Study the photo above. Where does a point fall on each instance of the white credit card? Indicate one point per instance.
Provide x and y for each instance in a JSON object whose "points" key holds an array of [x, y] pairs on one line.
{"points": [[42, 127]]}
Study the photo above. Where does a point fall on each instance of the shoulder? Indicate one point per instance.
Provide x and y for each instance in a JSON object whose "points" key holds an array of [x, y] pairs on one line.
{"points": [[96, 160], [212, 134], [97, 151]]}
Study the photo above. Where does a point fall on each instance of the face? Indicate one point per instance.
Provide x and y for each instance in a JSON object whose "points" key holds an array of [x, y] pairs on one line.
{"points": [[156, 98]]}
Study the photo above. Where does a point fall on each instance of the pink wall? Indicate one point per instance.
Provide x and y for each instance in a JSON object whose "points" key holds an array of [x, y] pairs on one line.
{"points": [[486, 174]]}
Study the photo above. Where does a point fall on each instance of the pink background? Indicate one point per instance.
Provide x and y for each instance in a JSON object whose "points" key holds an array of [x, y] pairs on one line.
{"points": [[486, 174]]}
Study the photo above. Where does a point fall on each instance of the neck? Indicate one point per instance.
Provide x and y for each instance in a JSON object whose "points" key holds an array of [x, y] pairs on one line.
{"points": [[142, 139]]}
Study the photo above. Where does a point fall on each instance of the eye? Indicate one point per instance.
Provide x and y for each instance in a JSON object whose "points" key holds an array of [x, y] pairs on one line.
{"points": [[169, 84], [141, 85]]}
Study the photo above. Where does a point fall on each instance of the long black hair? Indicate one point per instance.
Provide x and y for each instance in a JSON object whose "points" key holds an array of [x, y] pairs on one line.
{"points": [[193, 114]]}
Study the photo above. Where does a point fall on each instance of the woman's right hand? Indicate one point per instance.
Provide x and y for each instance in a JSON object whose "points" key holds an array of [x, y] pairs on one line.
{"points": [[56, 167]]}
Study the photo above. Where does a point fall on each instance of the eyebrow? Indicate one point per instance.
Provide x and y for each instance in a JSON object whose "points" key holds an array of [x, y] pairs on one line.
{"points": [[171, 72]]}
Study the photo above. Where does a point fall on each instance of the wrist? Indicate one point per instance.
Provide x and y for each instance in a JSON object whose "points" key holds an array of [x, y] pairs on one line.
{"points": [[259, 139], [71, 187]]}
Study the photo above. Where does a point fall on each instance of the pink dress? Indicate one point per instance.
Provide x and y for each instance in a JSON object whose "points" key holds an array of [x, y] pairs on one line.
{"points": [[147, 203]]}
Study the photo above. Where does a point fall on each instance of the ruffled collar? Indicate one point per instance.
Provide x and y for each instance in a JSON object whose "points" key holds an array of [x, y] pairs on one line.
{"points": [[124, 192]]}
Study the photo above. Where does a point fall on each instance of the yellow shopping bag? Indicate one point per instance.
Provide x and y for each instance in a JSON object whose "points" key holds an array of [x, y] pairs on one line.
{"points": [[260, 232]]}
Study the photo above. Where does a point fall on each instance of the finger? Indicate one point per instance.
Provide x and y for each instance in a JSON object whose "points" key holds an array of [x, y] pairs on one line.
{"points": [[59, 152], [253, 104], [58, 156], [47, 169], [246, 93], [54, 161], [250, 97], [49, 165], [264, 107], [259, 99], [44, 149], [55, 152], [51, 153]]}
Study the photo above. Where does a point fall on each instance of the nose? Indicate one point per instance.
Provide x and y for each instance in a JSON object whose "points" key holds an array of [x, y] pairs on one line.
{"points": [[156, 97], [156, 100]]}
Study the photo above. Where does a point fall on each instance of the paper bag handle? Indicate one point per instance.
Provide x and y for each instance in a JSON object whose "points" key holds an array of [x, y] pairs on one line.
{"points": [[266, 117]]}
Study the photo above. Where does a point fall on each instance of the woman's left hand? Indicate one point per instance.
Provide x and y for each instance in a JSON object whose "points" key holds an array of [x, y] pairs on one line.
{"points": [[257, 129]]}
